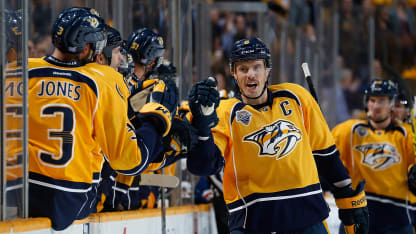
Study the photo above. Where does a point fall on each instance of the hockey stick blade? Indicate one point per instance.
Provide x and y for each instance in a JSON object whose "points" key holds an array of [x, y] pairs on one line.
{"points": [[160, 180]]}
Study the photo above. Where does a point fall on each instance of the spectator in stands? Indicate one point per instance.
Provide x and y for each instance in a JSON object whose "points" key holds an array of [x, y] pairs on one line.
{"points": [[402, 20], [350, 33], [303, 12], [41, 17], [352, 92]]}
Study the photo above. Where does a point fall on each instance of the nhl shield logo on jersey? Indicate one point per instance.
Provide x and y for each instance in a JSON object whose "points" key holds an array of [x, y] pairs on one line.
{"points": [[379, 156], [243, 117], [276, 140]]}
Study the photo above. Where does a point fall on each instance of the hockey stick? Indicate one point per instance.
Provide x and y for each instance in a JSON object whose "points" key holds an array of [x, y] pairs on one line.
{"points": [[160, 180], [308, 78], [349, 229]]}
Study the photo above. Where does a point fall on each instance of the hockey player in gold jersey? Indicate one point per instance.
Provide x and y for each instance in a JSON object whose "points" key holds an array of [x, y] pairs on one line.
{"points": [[275, 141], [76, 111], [119, 192], [380, 151]]}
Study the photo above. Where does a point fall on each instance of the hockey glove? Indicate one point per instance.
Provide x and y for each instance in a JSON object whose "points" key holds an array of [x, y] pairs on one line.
{"points": [[138, 98], [203, 100], [181, 138], [162, 100], [411, 180], [353, 211]]}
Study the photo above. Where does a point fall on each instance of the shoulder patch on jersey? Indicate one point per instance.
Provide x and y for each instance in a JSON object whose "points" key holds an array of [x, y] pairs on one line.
{"points": [[362, 131], [276, 140], [378, 156], [244, 117]]}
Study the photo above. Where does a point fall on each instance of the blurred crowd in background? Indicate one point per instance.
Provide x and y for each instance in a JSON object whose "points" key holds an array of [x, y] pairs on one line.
{"points": [[391, 22], [394, 24]]}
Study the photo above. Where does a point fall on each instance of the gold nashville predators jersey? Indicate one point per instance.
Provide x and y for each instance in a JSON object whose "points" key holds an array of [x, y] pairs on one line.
{"points": [[67, 116], [382, 158], [74, 114], [270, 177]]}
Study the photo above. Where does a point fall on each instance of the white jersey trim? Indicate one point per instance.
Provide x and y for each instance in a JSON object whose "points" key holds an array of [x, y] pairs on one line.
{"points": [[57, 187], [327, 154], [388, 201], [275, 199]]}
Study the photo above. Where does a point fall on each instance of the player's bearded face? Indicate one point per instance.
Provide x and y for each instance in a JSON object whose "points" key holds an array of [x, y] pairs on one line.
{"points": [[86, 56], [116, 58], [251, 77], [379, 108]]}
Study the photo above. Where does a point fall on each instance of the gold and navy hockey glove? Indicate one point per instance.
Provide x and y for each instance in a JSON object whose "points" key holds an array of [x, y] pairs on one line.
{"points": [[353, 211], [162, 103], [138, 98], [203, 101], [411, 178], [181, 138]]}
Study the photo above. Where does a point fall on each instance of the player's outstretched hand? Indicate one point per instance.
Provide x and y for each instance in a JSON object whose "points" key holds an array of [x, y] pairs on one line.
{"points": [[203, 101], [353, 211]]}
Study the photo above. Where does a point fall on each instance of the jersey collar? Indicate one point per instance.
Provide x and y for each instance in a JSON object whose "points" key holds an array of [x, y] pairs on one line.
{"points": [[269, 101], [390, 127], [60, 63]]}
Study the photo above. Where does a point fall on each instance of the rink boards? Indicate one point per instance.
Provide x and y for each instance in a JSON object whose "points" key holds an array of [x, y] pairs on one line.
{"points": [[196, 219], [185, 219]]}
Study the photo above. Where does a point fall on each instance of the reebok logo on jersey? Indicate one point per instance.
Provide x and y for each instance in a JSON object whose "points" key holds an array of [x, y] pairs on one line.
{"points": [[378, 156], [276, 140], [358, 202]]}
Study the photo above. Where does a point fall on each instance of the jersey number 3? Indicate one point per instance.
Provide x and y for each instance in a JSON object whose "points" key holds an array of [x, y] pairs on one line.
{"points": [[64, 134]]}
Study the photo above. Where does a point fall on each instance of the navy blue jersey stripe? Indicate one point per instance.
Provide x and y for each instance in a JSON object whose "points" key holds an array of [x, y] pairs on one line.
{"points": [[61, 207], [96, 176], [390, 127], [60, 63], [121, 186], [76, 76], [401, 130], [281, 215], [236, 108], [284, 93], [326, 152], [58, 184], [14, 70], [283, 194], [389, 211], [15, 182], [391, 200]]}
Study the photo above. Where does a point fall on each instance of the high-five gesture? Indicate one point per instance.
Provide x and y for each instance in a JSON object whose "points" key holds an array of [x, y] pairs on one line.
{"points": [[203, 100]]}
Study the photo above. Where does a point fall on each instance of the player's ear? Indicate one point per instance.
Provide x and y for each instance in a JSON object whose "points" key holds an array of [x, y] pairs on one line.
{"points": [[268, 69], [100, 59]]}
